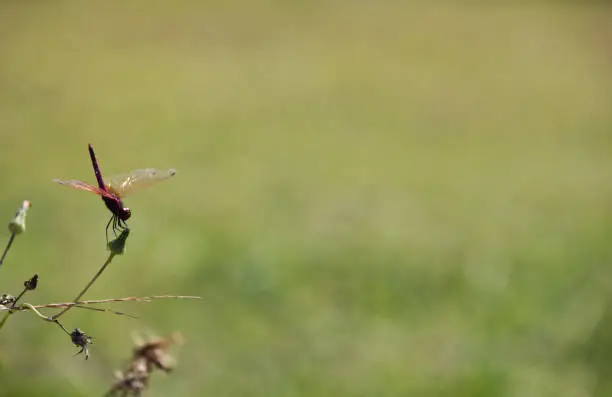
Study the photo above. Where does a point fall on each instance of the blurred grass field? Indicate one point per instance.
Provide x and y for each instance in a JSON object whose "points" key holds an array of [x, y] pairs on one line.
{"points": [[373, 198]]}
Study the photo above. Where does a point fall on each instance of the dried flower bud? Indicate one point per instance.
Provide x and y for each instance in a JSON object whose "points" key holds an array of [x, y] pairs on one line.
{"points": [[81, 339], [147, 357], [31, 283]]}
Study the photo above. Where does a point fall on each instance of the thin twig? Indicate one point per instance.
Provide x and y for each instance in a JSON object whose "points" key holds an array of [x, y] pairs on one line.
{"points": [[19, 297], [99, 309], [30, 285], [34, 309], [93, 280], [61, 326], [6, 316], [8, 246], [49, 319], [82, 304]]}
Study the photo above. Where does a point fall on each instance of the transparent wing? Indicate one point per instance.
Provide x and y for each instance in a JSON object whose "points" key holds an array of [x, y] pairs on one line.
{"points": [[84, 186], [126, 184]]}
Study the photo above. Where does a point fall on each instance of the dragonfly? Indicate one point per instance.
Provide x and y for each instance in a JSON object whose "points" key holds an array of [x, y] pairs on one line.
{"points": [[116, 188]]}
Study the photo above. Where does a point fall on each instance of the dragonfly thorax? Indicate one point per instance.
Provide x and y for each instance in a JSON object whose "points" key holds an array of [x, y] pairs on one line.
{"points": [[115, 206]]}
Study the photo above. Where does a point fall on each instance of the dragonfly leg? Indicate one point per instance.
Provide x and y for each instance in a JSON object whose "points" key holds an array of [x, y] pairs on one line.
{"points": [[120, 225], [116, 225], [107, 226]]}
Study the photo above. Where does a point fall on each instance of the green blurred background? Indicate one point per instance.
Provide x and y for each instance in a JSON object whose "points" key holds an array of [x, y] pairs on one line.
{"points": [[373, 198]]}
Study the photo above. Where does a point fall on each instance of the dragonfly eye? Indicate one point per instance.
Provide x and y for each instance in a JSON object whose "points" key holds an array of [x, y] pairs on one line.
{"points": [[127, 213]]}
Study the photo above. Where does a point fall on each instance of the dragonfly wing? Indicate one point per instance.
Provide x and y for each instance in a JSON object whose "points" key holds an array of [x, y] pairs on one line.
{"points": [[84, 186], [127, 184]]}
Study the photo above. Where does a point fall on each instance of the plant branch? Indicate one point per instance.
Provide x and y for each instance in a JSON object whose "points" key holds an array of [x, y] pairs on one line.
{"points": [[83, 304], [91, 282], [8, 246]]}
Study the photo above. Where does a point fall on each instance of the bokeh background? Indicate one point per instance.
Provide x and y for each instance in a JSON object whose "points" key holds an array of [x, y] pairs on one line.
{"points": [[374, 198]]}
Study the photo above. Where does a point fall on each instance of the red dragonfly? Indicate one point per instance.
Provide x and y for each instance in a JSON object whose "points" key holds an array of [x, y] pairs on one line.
{"points": [[118, 187]]}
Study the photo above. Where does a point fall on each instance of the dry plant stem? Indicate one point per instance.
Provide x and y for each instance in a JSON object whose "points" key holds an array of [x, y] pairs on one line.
{"points": [[19, 297], [6, 316], [82, 304], [8, 246], [93, 280], [99, 309], [10, 310], [49, 319]]}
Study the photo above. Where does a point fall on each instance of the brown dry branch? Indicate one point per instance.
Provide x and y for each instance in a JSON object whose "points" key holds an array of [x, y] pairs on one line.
{"points": [[83, 304]]}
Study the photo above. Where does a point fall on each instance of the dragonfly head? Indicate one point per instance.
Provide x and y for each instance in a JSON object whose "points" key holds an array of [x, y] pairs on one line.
{"points": [[125, 214]]}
